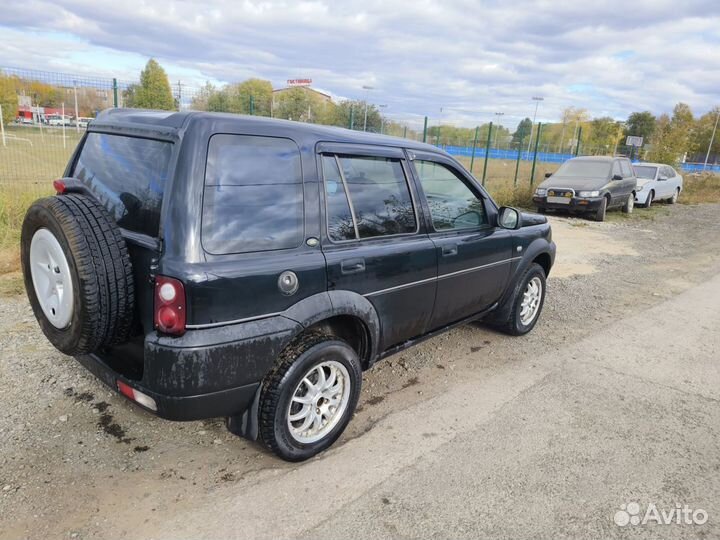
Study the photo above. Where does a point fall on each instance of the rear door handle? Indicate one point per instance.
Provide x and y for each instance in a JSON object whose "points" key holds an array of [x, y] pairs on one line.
{"points": [[352, 266], [449, 251]]}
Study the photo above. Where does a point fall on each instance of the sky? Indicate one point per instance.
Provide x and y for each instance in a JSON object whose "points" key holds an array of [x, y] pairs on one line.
{"points": [[456, 61]]}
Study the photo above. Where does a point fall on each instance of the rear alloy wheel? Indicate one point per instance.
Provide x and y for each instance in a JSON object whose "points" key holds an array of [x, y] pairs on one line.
{"points": [[309, 398], [629, 204], [649, 201], [675, 196]]}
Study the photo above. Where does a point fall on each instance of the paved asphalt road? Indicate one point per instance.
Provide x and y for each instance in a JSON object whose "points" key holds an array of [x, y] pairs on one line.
{"points": [[544, 447]]}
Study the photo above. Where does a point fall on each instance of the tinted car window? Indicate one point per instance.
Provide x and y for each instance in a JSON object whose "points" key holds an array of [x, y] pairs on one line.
{"points": [[453, 205], [643, 171], [253, 195], [339, 215], [584, 168], [128, 176], [626, 168], [379, 195]]}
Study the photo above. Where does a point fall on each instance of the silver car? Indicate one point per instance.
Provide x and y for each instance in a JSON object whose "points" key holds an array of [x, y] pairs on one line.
{"points": [[656, 182]]}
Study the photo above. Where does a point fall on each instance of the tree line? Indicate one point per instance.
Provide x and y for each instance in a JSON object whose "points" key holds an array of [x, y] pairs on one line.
{"points": [[668, 138]]}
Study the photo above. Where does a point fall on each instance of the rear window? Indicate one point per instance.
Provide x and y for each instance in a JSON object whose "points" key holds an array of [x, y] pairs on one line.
{"points": [[253, 195], [128, 176]]}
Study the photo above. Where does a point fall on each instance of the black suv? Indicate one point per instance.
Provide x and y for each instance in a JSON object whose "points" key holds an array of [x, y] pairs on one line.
{"points": [[211, 265]]}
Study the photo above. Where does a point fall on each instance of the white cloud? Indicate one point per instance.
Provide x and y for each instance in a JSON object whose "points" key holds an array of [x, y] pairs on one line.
{"points": [[471, 60]]}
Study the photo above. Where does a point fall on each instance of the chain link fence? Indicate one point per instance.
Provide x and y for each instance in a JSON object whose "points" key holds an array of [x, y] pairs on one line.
{"points": [[53, 110]]}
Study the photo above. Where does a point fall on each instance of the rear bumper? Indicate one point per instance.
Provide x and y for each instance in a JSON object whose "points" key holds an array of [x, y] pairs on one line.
{"points": [[203, 374], [575, 204]]}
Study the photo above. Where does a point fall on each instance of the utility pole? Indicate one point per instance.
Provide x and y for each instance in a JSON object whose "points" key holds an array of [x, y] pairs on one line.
{"points": [[497, 130], [537, 100], [179, 85], [367, 93], [77, 115], [712, 139], [2, 128]]}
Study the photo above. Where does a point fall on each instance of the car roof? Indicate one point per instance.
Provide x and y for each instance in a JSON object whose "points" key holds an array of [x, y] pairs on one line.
{"points": [[596, 158], [165, 121], [644, 164]]}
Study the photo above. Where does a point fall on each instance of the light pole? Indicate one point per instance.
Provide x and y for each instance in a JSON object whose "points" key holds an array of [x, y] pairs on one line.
{"points": [[498, 114], [77, 122], [537, 100], [382, 118], [367, 93], [712, 139]]}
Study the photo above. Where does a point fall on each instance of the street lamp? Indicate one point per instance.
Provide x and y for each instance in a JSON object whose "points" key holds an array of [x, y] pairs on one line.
{"points": [[537, 100], [367, 93], [382, 118], [498, 114], [712, 139]]}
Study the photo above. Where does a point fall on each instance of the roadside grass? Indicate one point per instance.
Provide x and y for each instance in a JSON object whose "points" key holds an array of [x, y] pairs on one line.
{"points": [[700, 188]]}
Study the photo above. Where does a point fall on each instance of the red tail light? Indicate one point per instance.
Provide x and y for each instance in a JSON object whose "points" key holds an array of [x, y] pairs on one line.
{"points": [[59, 186], [169, 305]]}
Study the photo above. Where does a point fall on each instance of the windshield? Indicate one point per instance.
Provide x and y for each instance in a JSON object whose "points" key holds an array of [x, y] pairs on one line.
{"points": [[645, 172], [584, 168]]}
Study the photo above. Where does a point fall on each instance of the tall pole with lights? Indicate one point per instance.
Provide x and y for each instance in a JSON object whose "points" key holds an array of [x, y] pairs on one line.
{"points": [[537, 100], [497, 129], [367, 93], [712, 140]]}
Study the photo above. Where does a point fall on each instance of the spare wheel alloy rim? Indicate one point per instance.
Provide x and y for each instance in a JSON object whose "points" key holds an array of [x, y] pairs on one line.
{"points": [[51, 278], [319, 402]]}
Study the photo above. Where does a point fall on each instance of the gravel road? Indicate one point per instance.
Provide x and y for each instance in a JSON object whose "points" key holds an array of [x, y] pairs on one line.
{"points": [[76, 460]]}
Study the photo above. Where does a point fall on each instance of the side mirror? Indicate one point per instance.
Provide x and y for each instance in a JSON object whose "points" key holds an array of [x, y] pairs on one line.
{"points": [[548, 174], [617, 177], [662, 178], [509, 218]]}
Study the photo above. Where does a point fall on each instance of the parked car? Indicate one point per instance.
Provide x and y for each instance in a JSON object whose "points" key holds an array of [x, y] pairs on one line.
{"points": [[57, 120], [82, 121], [214, 265], [589, 185], [657, 182]]}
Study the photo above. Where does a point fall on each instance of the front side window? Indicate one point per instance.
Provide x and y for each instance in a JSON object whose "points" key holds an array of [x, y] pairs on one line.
{"points": [[367, 197], [453, 205], [616, 170], [626, 169], [253, 198]]}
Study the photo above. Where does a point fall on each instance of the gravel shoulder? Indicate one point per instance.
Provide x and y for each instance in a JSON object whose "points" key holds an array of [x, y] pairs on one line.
{"points": [[76, 458]]}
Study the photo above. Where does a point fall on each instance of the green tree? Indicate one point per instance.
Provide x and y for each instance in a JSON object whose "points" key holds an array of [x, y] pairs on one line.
{"points": [[674, 136], [523, 130], [153, 92], [640, 124], [8, 98], [202, 97], [253, 96], [703, 133], [605, 134]]}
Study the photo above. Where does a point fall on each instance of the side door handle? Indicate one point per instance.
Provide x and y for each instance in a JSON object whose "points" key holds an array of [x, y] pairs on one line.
{"points": [[352, 266], [449, 251]]}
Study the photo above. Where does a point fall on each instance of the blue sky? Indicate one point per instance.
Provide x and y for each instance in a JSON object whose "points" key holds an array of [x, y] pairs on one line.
{"points": [[470, 59]]}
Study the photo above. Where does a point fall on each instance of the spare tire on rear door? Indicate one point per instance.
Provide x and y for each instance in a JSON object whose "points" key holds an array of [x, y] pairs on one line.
{"points": [[77, 272]]}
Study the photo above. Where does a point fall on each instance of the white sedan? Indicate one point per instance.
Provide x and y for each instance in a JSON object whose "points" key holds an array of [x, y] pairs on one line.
{"points": [[656, 182]]}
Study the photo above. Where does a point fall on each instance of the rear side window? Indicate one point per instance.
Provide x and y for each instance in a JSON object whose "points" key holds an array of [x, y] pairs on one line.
{"points": [[378, 198], [253, 195], [128, 176]]}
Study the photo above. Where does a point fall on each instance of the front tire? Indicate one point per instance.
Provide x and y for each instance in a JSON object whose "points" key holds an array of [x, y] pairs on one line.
{"points": [[629, 204], [650, 198], [675, 196], [601, 211], [309, 398], [527, 303]]}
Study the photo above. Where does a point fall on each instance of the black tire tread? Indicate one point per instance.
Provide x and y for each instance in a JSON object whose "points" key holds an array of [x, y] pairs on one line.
{"points": [[103, 266], [271, 387], [508, 325]]}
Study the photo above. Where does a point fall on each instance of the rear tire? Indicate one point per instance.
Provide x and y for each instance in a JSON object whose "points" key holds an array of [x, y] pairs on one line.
{"points": [[95, 268], [601, 211], [319, 375]]}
